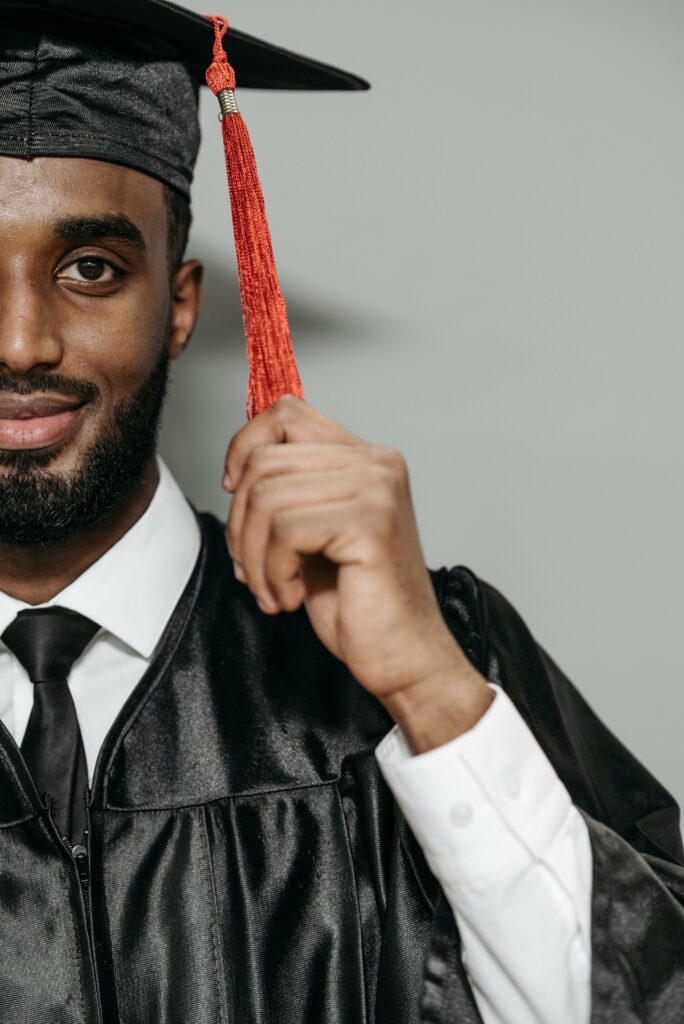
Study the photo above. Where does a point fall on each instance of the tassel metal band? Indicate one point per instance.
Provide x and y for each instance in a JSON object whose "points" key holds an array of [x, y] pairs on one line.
{"points": [[227, 103]]}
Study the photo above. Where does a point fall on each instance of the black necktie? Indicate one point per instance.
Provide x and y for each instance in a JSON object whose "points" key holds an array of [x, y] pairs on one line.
{"points": [[47, 641]]}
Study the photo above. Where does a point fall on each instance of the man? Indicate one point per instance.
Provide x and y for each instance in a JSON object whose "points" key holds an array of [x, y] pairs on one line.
{"points": [[198, 757]]}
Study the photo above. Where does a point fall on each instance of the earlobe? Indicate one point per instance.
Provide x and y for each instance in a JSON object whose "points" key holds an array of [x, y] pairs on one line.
{"points": [[186, 302]]}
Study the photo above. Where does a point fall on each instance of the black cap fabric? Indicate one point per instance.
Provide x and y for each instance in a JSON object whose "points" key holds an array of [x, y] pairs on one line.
{"points": [[121, 84]]}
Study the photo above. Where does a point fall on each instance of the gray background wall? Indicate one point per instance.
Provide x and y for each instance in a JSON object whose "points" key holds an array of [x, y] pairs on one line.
{"points": [[483, 260]]}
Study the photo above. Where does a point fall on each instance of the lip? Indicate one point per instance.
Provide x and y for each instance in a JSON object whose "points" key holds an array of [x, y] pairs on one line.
{"points": [[26, 406], [32, 431]]}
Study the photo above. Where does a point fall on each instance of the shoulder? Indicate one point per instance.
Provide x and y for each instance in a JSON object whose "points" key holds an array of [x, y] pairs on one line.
{"points": [[601, 774], [483, 620]]}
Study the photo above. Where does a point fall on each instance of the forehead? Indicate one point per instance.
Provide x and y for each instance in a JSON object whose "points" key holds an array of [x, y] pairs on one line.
{"points": [[49, 188]]}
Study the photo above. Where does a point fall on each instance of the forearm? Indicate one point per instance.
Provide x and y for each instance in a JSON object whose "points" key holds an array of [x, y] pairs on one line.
{"points": [[441, 707]]}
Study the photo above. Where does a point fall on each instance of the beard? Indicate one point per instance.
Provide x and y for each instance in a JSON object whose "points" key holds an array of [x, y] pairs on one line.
{"points": [[40, 507]]}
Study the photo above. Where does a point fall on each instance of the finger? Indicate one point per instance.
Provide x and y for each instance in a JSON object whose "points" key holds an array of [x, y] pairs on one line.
{"points": [[284, 571], [289, 419], [296, 535], [277, 460], [270, 497], [274, 459]]}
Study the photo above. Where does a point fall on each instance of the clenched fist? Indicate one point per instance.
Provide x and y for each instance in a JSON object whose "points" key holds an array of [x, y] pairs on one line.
{"points": [[321, 519]]}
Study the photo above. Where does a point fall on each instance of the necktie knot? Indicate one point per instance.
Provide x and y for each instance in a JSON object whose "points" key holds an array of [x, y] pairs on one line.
{"points": [[47, 641]]}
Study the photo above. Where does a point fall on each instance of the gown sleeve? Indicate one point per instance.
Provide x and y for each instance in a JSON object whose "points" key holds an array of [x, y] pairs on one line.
{"points": [[637, 914]]}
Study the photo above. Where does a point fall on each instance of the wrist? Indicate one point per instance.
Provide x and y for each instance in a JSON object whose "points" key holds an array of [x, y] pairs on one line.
{"points": [[440, 707]]}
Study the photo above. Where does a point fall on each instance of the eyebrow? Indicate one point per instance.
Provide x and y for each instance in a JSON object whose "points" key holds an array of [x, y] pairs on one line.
{"points": [[113, 226]]}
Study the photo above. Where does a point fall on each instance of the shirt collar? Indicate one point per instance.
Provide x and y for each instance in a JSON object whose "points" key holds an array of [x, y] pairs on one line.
{"points": [[133, 588]]}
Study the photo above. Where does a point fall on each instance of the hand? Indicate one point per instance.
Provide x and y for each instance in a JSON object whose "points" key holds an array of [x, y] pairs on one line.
{"points": [[321, 519]]}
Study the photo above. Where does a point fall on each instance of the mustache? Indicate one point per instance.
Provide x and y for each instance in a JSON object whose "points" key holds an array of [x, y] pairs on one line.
{"points": [[55, 384]]}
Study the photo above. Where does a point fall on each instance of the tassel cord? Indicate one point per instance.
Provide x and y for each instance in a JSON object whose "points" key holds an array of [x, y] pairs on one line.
{"points": [[273, 370]]}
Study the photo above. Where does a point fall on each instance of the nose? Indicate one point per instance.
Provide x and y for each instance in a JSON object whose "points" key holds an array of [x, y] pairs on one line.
{"points": [[28, 335]]}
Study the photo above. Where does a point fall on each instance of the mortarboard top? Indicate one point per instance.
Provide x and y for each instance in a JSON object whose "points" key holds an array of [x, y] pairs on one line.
{"points": [[118, 80], [259, 65]]}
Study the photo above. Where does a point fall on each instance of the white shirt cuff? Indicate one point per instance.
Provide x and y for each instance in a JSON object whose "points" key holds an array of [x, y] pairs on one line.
{"points": [[488, 803], [513, 856]]}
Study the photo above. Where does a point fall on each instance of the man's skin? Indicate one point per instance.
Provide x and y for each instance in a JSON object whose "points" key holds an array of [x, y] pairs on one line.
{"points": [[318, 517]]}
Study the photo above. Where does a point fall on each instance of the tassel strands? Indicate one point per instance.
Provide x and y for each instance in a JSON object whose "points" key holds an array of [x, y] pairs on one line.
{"points": [[272, 368]]}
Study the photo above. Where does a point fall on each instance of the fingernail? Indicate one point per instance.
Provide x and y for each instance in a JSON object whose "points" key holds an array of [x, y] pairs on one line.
{"points": [[227, 482], [239, 572]]}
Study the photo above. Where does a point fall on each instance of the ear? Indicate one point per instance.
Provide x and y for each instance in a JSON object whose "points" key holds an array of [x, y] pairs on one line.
{"points": [[186, 302]]}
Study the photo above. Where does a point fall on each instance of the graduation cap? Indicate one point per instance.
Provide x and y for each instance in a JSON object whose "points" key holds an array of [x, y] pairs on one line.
{"points": [[118, 80]]}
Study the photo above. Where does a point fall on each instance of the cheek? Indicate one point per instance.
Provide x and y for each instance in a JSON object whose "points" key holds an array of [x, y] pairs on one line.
{"points": [[116, 342]]}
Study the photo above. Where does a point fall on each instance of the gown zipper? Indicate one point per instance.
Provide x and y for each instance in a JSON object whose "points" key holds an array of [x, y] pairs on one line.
{"points": [[79, 855]]}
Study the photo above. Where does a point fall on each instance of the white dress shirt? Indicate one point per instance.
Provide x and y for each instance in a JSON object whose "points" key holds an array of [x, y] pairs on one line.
{"points": [[131, 592], [496, 824]]}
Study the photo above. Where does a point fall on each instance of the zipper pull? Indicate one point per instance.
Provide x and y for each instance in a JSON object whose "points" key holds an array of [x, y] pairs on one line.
{"points": [[80, 855]]}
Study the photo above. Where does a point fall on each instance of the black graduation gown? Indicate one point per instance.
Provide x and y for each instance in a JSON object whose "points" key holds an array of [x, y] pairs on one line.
{"points": [[247, 864]]}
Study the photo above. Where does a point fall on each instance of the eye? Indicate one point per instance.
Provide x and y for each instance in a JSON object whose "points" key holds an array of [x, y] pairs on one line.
{"points": [[90, 269]]}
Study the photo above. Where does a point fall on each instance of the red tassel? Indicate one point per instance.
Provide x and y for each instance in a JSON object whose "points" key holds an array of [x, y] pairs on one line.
{"points": [[272, 368]]}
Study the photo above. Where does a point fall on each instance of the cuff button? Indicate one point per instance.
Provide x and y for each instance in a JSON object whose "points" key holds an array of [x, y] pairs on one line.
{"points": [[461, 814]]}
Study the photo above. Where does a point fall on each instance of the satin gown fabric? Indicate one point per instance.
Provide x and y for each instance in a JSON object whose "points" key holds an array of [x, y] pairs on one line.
{"points": [[248, 863]]}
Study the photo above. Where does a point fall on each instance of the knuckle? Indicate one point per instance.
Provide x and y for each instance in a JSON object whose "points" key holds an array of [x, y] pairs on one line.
{"points": [[385, 476], [397, 463], [254, 459], [259, 495], [287, 407], [378, 516], [388, 481], [261, 458], [393, 461]]}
